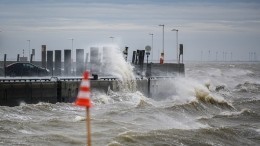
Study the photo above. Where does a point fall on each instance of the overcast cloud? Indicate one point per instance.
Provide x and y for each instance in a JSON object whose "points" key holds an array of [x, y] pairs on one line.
{"points": [[204, 25]]}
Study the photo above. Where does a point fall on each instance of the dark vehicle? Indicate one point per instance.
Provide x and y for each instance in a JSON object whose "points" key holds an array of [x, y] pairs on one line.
{"points": [[1, 71], [25, 69]]}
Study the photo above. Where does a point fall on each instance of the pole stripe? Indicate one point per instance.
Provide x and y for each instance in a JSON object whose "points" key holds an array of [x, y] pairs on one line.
{"points": [[86, 89], [83, 95], [85, 83], [83, 98]]}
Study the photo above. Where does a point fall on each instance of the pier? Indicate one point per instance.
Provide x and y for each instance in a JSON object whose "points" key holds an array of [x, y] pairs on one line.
{"points": [[14, 91], [63, 80]]}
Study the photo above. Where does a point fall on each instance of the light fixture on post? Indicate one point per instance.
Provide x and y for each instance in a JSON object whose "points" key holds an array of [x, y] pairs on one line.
{"points": [[162, 54], [148, 70], [152, 45], [147, 50], [29, 47], [73, 71], [177, 50]]}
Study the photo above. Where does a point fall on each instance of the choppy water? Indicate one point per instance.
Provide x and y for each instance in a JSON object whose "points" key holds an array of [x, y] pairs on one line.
{"points": [[214, 104]]}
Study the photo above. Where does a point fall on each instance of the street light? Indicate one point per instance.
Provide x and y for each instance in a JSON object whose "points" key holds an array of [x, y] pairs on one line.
{"points": [[162, 55], [72, 39], [177, 50], [147, 50], [152, 44], [29, 41], [148, 70]]}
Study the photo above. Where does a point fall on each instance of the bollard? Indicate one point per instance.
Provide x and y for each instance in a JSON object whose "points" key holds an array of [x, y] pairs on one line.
{"points": [[79, 61], [50, 61], [67, 62], [18, 58], [57, 64], [44, 56], [5, 65]]}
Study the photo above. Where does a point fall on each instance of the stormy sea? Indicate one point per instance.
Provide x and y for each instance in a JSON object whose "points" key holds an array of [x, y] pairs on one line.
{"points": [[213, 104]]}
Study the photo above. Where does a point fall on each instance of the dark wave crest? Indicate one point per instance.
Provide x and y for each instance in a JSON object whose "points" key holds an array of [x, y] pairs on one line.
{"points": [[205, 136], [248, 87]]}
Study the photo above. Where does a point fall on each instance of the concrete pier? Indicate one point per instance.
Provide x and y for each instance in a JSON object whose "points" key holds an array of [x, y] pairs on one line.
{"points": [[13, 92], [53, 91]]}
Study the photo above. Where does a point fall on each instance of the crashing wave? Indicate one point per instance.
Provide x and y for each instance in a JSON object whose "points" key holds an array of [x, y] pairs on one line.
{"points": [[143, 104], [206, 97]]}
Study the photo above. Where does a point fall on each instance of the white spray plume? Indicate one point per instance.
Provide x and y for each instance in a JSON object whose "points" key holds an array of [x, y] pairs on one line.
{"points": [[116, 65], [185, 89], [191, 90]]}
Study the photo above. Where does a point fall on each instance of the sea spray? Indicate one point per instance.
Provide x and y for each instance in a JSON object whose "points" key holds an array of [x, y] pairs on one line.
{"points": [[190, 90], [115, 65]]}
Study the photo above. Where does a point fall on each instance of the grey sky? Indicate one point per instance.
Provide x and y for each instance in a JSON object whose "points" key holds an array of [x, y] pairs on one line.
{"points": [[204, 26]]}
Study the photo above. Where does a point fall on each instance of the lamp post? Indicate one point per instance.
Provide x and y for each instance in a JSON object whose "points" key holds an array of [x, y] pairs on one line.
{"points": [[72, 39], [177, 50], [162, 55], [148, 70], [29, 43], [162, 37], [152, 44], [147, 50]]}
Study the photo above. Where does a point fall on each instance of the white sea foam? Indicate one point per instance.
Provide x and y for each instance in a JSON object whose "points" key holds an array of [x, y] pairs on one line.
{"points": [[79, 118], [185, 89], [116, 65], [26, 131], [188, 89]]}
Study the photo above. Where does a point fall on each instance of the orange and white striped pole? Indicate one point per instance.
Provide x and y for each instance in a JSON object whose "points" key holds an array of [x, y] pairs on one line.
{"points": [[83, 99]]}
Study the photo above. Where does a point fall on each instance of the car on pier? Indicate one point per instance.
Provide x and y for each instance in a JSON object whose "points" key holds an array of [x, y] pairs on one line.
{"points": [[1, 71], [25, 69]]}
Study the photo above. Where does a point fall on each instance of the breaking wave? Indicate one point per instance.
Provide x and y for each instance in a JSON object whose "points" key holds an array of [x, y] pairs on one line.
{"points": [[116, 65], [203, 136], [206, 97]]}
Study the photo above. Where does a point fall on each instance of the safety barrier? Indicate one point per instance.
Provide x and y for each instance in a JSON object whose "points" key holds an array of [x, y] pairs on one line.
{"points": [[25, 80]]}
